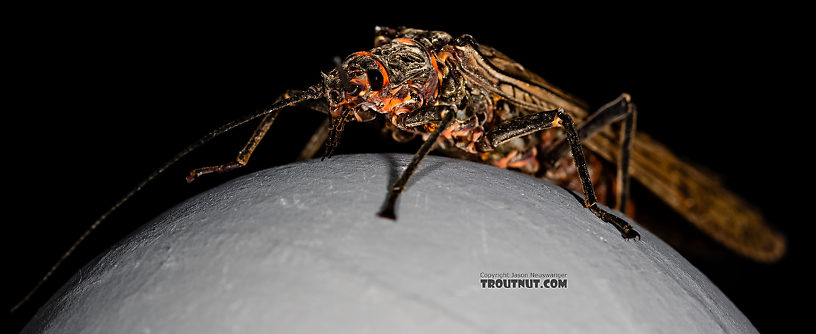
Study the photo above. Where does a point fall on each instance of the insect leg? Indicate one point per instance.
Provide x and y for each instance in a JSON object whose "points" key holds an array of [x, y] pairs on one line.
{"points": [[399, 185], [316, 141], [319, 137], [243, 156], [627, 232], [252, 144], [296, 98], [556, 118], [623, 176], [620, 109]]}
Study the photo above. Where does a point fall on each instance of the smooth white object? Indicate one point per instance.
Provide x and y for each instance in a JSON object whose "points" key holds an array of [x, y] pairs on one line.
{"points": [[299, 248]]}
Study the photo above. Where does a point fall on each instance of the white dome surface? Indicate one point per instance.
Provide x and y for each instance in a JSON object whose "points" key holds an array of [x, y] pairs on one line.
{"points": [[299, 248]]}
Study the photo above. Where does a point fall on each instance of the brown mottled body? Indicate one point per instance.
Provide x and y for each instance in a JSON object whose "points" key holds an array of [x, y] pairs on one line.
{"points": [[493, 88]]}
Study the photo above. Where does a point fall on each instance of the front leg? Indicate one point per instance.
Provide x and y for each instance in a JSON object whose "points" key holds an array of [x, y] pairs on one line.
{"points": [[445, 117], [556, 118], [243, 156]]}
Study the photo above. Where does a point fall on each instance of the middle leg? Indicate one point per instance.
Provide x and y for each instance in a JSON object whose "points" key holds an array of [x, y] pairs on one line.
{"points": [[619, 110], [556, 118], [399, 186]]}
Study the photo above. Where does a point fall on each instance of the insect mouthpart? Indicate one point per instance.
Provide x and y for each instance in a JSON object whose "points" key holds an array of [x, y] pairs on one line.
{"points": [[365, 112], [344, 93], [336, 127]]}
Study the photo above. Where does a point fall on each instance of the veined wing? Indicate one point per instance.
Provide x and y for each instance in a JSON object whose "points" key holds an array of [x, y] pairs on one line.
{"points": [[695, 194]]}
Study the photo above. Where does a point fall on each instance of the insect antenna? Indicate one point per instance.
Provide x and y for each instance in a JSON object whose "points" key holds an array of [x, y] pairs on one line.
{"points": [[313, 92]]}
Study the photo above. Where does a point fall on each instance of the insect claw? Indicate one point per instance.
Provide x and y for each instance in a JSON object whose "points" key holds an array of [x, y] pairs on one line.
{"points": [[630, 234], [627, 231], [388, 214]]}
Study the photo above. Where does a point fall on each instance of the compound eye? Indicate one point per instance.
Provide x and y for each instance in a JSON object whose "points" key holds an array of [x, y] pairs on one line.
{"points": [[375, 80]]}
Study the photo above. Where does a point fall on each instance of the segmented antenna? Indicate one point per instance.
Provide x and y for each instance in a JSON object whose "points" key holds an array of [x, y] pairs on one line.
{"points": [[309, 94]]}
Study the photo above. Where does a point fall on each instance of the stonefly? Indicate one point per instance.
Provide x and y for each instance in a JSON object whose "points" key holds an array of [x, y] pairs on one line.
{"points": [[470, 101]]}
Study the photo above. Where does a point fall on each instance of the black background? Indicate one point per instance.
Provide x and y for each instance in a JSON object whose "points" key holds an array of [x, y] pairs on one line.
{"points": [[97, 98]]}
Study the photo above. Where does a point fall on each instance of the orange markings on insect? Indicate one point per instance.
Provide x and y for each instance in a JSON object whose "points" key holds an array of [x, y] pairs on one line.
{"points": [[505, 161], [443, 56], [391, 103], [358, 81], [384, 74], [447, 133], [436, 67], [407, 41], [557, 123], [363, 53], [529, 158], [379, 64]]}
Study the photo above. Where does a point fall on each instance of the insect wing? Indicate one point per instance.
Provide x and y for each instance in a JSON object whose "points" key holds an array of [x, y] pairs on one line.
{"points": [[697, 195]]}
